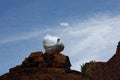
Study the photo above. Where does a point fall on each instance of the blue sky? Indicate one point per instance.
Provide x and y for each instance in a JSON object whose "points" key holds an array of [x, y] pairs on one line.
{"points": [[89, 29]]}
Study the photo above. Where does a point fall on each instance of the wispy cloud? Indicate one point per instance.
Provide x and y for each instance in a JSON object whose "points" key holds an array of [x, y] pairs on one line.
{"points": [[92, 39], [24, 36]]}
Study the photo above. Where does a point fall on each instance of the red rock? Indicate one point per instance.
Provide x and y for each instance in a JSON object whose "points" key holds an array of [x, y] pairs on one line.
{"points": [[56, 70], [45, 77], [64, 77], [36, 54], [39, 59], [75, 72], [40, 66], [55, 66], [41, 71], [60, 58], [25, 78], [5, 76], [58, 65], [25, 61], [109, 70], [15, 68]]}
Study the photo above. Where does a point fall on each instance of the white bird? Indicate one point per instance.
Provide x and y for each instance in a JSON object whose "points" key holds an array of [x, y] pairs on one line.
{"points": [[54, 48]]}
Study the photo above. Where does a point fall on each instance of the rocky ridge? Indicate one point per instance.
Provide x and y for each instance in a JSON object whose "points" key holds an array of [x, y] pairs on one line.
{"points": [[109, 70], [44, 66], [56, 66]]}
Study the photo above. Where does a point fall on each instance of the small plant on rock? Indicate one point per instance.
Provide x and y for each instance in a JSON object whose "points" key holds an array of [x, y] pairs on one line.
{"points": [[87, 67]]}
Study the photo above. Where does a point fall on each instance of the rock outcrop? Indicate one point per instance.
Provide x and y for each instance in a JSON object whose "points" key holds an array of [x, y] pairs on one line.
{"points": [[109, 70], [56, 66], [39, 66]]}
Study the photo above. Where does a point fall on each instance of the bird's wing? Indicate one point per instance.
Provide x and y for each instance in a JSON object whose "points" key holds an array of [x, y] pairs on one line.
{"points": [[46, 44]]}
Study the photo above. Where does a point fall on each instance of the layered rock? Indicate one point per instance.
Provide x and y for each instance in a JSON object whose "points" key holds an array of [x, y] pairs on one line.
{"points": [[109, 70], [39, 66], [112, 68]]}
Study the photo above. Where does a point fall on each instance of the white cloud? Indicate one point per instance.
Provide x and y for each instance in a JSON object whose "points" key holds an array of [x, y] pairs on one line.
{"points": [[64, 24]]}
